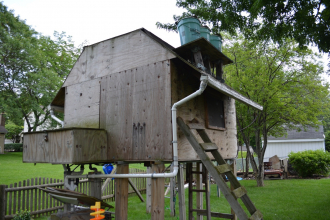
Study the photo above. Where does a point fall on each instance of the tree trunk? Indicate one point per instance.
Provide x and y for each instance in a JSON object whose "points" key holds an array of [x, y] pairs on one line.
{"points": [[260, 176], [247, 164]]}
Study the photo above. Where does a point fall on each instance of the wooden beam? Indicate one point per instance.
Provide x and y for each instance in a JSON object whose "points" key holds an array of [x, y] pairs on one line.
{"points": [[148, 192], [157, 193], [121, 192], [181, 193], [95, 186], [136, 190], [199, 186], [3, 201], [233, 167]]}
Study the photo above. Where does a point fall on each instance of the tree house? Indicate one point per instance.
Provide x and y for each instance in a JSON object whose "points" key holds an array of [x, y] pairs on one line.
{"points": [[117, 104], [126, 86]]}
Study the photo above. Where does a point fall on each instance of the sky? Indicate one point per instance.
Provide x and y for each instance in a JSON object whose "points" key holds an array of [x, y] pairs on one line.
{"points": [[97, 20]]}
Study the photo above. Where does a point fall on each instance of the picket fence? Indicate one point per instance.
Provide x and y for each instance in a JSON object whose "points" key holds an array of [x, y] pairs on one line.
{"points": [[25, 195]]}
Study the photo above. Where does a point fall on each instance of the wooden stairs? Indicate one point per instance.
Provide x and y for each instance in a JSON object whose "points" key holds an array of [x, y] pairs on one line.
{"points": [[216, 172]]}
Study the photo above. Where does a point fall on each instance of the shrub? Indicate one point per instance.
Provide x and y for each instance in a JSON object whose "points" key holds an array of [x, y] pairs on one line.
{"points": [[14, 147], [22, 215], [310, 162]]}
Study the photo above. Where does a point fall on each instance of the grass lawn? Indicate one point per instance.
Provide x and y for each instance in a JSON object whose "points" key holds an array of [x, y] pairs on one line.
{"points": [[279, 199], [13, 170]]}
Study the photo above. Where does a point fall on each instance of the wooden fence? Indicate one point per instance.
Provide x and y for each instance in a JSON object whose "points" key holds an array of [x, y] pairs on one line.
{"points": [[25, 195]]}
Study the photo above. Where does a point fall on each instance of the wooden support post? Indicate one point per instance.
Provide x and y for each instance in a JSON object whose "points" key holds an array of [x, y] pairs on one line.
{"points": [[157, 193], [148, 192], [3, 201], [181, 193], [172, 193], [199, 185], [95, 186], [207, 188], [233, 167], [121, 192]]}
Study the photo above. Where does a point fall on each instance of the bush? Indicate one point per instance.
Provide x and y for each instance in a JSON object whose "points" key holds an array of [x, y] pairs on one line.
{"points": [[22, 215], [14, 147], [310, 162]]}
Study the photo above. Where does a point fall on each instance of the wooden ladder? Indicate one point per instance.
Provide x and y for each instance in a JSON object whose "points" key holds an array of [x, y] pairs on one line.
{"points": [[217, 171]]}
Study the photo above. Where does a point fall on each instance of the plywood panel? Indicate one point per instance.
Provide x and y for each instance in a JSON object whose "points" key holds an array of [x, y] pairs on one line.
{"points": [[82, 104], [66, 146], [115, 55], [61, 147], [137, 97], [183, 84], [35, 148]]}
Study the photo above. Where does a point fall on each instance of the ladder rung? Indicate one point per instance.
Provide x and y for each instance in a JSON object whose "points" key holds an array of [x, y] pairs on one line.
{"points": [[196, 172], [223, 168], [198, 190], [256, 216], [213, 214], [239, 192], [208, 147], [196, 126]]}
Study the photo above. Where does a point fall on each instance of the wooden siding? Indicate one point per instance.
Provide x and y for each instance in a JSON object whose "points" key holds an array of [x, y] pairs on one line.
{"points": [[117, 54], [82, 105], [282, 148], [183, 84], [135, 110], [67, 146]]}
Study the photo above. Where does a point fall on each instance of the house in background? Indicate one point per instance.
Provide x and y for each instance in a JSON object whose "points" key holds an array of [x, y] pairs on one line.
{"points": [[3, 132], [310, 139]]}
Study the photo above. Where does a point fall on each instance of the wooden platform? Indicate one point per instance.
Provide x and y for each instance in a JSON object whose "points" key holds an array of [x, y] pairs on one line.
{"points": [[65, 146]]}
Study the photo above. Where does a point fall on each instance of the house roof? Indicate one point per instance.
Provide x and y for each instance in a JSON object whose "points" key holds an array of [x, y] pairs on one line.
{"points": [[181, 54], [3, 130], [309, 133]]}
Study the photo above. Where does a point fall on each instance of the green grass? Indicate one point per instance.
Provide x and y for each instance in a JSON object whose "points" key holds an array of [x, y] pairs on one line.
{"points": [[13, 170], [279, 199]]}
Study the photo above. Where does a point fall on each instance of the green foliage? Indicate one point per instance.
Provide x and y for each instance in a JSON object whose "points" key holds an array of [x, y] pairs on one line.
{"points": [[310, 162], [33, 67], [22, 215], [305, 21], [13, 132], [16, 147], [327, 141], [285, 80]]}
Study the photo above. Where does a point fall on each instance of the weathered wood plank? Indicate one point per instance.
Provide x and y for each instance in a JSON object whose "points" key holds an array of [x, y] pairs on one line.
{"points": [[3, 201], [157, 195], [117, 54], [148, 192], [181, 193], [199, 186], [82, 104], [121, 192], [193, 112]]}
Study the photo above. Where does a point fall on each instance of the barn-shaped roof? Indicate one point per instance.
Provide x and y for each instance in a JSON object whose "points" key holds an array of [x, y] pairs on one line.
{"points": [[309, 133], [182, 53]]}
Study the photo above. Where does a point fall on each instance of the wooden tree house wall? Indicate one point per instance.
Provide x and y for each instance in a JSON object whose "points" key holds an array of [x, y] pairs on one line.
{"points": [[127, 86]]}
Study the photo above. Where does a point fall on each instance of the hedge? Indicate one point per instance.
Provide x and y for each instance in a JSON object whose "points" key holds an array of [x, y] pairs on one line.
{"points": [[14, 147], [310, 162]]}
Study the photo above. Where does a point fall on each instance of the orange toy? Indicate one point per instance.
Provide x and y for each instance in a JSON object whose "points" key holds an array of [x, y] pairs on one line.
{"points": [[98, 211]]}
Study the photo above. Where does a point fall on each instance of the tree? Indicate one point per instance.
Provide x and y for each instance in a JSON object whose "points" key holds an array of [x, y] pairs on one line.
{"points": [[305, 21], [285, 80], [32, 68], [13, 132]]}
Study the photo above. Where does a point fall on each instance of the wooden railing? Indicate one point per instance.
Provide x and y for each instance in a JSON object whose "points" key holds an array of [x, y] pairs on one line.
{"points": [[25, 195]]}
